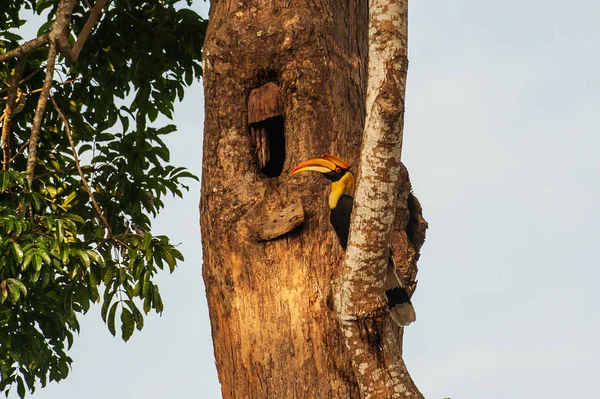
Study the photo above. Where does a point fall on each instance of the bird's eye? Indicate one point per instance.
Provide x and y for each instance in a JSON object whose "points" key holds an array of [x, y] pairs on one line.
{"points": [[338, 169]]}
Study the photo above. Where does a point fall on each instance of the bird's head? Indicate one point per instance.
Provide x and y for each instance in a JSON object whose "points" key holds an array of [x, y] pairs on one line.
{"points": [[333, 168], [330, 166]]}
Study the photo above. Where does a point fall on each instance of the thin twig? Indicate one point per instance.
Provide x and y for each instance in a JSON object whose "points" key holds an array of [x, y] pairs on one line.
{"points": [[26, 48], [54, 172], [81, 175], [13, 90], [31, 75], [25, 79], [23, 146], [66, 82]]}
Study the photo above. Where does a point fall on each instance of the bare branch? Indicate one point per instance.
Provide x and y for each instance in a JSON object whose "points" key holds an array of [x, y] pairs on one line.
{"points": [[60, 25], [39, 113], [13, 91], [71, 54], [25, 79], [23, 146], [81, 174], [66, 82], [26, 48]]}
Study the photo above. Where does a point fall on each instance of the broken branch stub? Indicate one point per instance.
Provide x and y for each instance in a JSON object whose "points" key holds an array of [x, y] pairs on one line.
{"points": [[277, 224]]}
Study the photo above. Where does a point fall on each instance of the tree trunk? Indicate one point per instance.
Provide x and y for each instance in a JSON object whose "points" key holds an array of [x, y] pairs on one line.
{"points": [[284, 81], [361, 303]]}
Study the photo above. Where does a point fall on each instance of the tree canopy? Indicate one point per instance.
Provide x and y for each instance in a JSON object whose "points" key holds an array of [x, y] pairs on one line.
{"points": [[83, 174]]}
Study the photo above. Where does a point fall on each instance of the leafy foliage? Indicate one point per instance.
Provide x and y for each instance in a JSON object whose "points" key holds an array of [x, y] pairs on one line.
{"points": [[57, 255]]}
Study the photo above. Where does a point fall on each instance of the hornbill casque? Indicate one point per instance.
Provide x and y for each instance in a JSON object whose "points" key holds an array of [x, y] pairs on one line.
{"points": [[340, 204]]}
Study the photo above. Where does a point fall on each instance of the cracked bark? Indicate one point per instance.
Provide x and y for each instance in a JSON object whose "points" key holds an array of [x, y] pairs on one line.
{"points": [[275, 331]]}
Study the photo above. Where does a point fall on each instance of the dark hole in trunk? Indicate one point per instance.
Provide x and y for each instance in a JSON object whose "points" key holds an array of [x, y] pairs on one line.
{"points": [[267, 129], [276, 143]]}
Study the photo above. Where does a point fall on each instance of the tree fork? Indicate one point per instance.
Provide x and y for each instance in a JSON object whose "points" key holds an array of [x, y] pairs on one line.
{"points": [[271, 303]]}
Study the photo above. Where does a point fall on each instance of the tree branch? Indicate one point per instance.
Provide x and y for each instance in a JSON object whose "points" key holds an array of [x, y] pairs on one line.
{"points": [[71, 54], [375, 349], [23, 146], [26, 48], [61, 24], [66, 82], [25, 79], [13, 91], [39, 113], [81, 174]]}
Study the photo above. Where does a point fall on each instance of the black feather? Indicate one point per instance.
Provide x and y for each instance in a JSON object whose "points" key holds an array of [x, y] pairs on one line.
{"points": [[340, 219]]}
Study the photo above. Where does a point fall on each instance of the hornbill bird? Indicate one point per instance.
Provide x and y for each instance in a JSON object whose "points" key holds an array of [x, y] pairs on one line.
{"points": [[340, 203]]}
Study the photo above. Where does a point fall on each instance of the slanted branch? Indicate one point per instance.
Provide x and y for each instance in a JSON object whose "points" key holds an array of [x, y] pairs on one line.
{"points": [[377, 364]]}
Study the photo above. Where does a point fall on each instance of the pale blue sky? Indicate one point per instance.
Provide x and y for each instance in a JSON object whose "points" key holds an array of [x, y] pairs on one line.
{"points": [[501, 141]]}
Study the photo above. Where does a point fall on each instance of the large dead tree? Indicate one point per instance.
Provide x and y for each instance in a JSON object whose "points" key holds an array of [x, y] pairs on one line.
{"points": [[285, 81]]}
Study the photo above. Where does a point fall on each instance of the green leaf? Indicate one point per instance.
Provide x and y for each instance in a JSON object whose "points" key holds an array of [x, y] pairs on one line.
{"points": [[69, 199], [59, 225], [64, 258], [10, 225], [44, 255], [19, 227], [68, 302], [145, 284], [69, 339], [85, 258], [18, 176], [38, 201], [108, 275], [52, 191], [156, 299], [96, 257], [148, 302], [20, 387], [75, 218], [128, 324], [27, 259], [18, 284], [84, 148], [37, 261], [137, 315], [170, 258], [17, 251], [111, 319], [35, 276], [15, 289], [146, 241], [105, 306], [5, 180]]}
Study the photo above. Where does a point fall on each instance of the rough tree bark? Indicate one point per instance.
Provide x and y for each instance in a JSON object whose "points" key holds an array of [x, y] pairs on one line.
{"points": [[362, 306], [275, 330]]}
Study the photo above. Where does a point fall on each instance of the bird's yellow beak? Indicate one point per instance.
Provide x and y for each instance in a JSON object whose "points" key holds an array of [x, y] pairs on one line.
{"points": [[325, 164]]}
